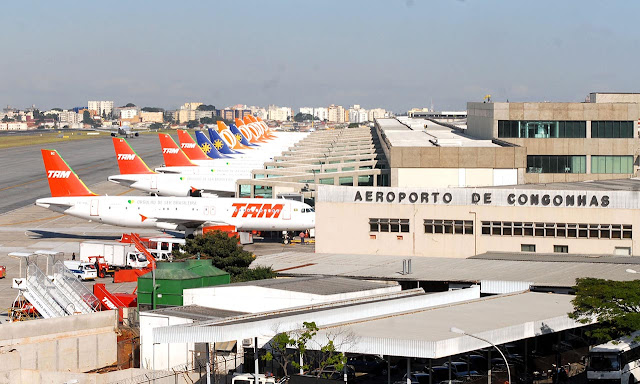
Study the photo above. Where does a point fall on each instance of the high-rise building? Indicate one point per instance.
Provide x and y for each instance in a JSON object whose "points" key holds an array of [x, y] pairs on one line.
{"points": [[377, 113], [279, 113], [357, 114], [321, 113], [100, 107], [336, 114], [70, 117]]}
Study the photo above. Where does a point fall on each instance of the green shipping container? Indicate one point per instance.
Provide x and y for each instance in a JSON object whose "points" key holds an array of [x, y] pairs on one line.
{"points": [[173, 278]]}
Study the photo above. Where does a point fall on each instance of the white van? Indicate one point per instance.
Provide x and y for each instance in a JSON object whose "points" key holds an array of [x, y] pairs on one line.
{"points": [[82, 269], [247, 378]]}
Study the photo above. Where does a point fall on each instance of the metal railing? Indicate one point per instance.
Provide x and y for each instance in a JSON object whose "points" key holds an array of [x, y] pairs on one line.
{"points": [[38, 293], [84, 300]]}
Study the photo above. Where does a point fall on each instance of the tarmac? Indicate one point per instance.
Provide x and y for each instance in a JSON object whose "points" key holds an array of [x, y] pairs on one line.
{"points": [[25, 227]]}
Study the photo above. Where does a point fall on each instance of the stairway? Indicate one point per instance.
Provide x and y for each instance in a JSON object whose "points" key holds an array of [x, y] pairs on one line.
{"points": [[37, 291], [82, 299]]}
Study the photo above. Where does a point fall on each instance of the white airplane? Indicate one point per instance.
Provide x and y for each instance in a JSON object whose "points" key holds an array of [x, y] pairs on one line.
{"points": [[71, 196], [121, 130], [134, 173], [176, 161]]}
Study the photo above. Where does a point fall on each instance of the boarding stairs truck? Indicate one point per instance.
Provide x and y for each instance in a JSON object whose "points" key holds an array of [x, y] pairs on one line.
{"points": [[56, 296], [116, 255]]}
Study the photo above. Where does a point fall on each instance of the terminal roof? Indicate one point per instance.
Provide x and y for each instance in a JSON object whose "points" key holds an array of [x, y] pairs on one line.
{"points": [[194, 312], [427, 133], [319, 285], [632, 184], [544, 273]]}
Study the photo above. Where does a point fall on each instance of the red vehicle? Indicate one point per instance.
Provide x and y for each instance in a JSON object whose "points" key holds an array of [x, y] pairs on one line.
{"points": [[101, 266]]}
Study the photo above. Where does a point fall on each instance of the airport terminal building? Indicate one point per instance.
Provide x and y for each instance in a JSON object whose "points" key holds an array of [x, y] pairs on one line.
{"points": [[587, 218]]}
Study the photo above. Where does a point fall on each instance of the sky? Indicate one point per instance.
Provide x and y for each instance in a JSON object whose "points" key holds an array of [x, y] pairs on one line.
{"points": [[391, 54]]}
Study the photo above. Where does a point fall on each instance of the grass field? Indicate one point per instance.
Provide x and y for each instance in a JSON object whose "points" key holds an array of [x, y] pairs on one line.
{"points": [[10, 141]]}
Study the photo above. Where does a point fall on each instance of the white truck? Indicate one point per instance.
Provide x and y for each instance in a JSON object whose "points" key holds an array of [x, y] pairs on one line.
{"points": [[116, 255]]}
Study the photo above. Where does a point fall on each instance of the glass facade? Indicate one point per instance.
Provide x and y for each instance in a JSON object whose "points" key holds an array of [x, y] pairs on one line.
{"points": [[612, 129], [611, 164], [556, 164], [541, 129]]}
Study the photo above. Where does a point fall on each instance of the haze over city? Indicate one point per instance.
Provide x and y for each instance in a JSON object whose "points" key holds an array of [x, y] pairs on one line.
{"points": [[392, 54]]}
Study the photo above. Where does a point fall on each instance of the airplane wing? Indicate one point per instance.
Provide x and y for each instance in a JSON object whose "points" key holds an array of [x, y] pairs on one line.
{"points": [[186, 223]]}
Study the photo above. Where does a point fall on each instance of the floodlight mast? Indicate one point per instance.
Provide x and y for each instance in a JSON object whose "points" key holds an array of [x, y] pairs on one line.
{"points": [[460, 331]]}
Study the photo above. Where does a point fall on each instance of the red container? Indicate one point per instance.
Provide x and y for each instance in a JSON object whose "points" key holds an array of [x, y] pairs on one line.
{"points": [[3, 271]]}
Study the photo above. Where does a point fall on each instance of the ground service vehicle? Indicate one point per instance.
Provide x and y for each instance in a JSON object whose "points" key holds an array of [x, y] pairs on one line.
{"points": [[248, 378], [116, 255], [616, 361], [82, 270]]}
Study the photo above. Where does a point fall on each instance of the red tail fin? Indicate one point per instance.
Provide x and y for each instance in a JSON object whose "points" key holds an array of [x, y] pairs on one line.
{"points": [[62, 180], [128, 160], [173, 155], [190, 148]]}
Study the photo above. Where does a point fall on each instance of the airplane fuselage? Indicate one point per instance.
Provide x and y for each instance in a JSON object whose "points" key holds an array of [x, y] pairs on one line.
{"points": [[186, 213]]}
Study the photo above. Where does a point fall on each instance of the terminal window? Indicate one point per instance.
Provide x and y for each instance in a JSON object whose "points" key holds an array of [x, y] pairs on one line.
{"points": [[611, 164], [388, 225], [458, 227], [557, 230], [527, 247], [556, 164], [561, 248], [611, 129], [525, 129]]}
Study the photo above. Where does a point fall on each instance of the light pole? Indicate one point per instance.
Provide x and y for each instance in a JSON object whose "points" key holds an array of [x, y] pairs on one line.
{"points": [[460, 331]]}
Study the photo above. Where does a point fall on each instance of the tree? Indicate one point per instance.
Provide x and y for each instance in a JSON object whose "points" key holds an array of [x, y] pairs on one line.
{"points": [[193, 124], [300, 117], [615, 305], [57, 109], [152, 109], [156, 126], [204, 107], [354, 125], [7, 119], [285, 345], [129, 105], [86, 118], [225, 253]]}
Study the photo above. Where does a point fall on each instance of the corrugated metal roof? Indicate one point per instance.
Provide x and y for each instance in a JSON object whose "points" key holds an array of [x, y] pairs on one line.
{"points": [[381, 267], [194, 312], [319, 285], [500, 319], [555, 257]]}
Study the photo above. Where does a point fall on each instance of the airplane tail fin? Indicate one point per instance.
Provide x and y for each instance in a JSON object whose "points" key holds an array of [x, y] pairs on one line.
{"points": [[221, 126], [240, 136], [207, 146], [190, 147], [219, 143], [63, 181], [173, 155], [128, 160]]}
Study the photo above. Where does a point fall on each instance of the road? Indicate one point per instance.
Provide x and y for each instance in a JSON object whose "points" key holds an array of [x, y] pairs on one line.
{"points": [[23, 180]]}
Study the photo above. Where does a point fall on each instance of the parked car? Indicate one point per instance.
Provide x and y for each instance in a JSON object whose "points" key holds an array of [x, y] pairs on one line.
{"points": [[440, 374], [417, 378], [368, 364], [477, 363], [330, 372], [461, 369]]}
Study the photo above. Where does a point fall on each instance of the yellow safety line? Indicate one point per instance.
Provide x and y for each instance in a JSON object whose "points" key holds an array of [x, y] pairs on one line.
{"points": [[32, 221]]}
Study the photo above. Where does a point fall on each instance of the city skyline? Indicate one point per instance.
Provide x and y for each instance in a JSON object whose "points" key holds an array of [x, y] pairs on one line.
{"points": [[394, 55]]}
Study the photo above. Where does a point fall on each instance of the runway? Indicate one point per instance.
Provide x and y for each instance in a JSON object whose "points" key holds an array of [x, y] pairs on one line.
{"points": [[22, 179]]}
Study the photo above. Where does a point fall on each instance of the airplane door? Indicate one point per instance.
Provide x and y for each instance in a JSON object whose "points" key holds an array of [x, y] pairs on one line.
{"points": [[94, 207], [286, 212], [154, 181]]}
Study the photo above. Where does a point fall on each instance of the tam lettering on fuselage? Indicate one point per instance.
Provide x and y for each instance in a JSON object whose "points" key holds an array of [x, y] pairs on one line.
{"points": [[170, 150], [257, 210], [58, 174], [126, 156]]}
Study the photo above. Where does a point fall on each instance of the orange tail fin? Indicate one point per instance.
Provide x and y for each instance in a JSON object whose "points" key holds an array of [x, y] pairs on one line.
{"points": [[189, 146], [173, 155], [128, 160], [221, 126], [63, 181]]}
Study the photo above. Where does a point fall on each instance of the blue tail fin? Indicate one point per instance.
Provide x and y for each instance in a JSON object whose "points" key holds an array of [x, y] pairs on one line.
{"points": [[220, 144], [207, 146], [243, 140]]}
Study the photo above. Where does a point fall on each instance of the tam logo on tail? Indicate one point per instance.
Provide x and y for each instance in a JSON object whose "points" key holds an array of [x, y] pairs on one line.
{"points": [[188, 145], [126, 156], [170, 150], [58, 174]]}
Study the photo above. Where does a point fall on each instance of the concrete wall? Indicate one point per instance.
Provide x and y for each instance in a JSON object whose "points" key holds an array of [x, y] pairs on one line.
{"points": [[453, 177], [597, 97], [161, 356], [457, 157], [54, 377], [72, 343], [350, 221]]}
